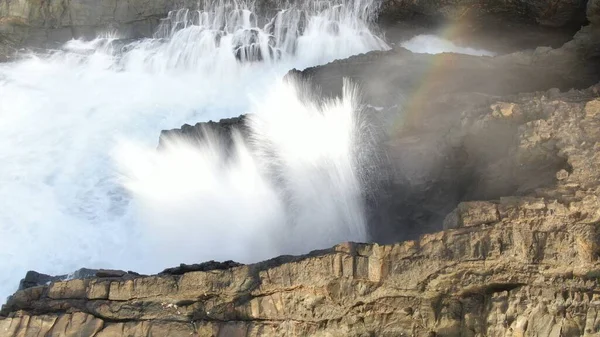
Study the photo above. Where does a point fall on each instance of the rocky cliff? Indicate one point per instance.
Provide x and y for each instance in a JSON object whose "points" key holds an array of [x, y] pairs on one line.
{"points": [[519, 265]]}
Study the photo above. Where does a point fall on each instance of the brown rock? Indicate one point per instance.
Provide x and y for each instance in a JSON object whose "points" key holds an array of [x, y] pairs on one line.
{"points": [[74, 289], [503, 109], [98, 290]]}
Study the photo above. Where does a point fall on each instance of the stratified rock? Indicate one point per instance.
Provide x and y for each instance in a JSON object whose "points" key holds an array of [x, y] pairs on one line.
{"points": [[521, 265]]}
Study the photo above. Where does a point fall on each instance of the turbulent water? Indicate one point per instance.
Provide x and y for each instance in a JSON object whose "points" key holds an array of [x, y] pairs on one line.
{"points": [[291, 184], [431, 44], [81, 184]]}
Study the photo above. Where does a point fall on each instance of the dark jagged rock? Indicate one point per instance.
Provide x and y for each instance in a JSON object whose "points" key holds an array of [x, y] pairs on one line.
{"points": [[107, 273], [201, 132], [35, 279], [206, 266]]}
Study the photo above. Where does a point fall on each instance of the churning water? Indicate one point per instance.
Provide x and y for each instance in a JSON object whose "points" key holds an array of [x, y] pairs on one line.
{"points": [[431, 44], [81, 184]]}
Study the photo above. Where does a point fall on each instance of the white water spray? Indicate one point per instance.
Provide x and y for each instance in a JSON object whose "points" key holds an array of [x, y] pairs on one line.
{"points": [[431, 44], [63, 116], [292, 186]]}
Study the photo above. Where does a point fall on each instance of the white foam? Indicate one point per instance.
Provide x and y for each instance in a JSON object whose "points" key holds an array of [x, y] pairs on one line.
{"points": [[293, 187], [431, 44], [64, 116]]}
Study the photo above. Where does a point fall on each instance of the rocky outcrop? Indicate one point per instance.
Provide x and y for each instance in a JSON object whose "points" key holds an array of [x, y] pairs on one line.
{"points": [[543, 12], [201, 132], [525, 264]]}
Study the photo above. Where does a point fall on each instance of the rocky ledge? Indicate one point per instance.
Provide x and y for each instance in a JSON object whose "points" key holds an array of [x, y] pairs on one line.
{"points": [[523, 265]]}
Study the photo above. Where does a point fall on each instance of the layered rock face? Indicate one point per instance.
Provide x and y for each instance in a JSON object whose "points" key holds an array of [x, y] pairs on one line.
{"points": [[34, 22], [525, 265]]}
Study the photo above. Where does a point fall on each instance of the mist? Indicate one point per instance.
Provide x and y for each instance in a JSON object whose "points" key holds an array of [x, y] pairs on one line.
{"points": [[431, 44], [272, 191]]}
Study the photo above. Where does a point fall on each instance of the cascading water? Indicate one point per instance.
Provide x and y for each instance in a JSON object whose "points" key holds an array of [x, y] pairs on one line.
{"points": [[66, 116]]}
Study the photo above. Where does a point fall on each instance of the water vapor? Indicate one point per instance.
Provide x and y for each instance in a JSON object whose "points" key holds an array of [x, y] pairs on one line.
{"points": [[289, 185], [431, 44]]}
